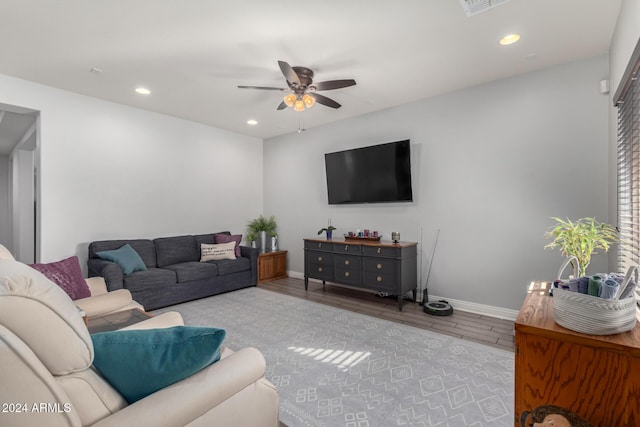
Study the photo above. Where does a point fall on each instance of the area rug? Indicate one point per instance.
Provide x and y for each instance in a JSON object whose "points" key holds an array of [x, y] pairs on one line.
{"points": [[334, 367]]}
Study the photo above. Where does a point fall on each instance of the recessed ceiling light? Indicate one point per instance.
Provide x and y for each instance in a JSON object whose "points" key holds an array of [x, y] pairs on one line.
{"points": [[252, 122], [143, 91], [509, 39]]}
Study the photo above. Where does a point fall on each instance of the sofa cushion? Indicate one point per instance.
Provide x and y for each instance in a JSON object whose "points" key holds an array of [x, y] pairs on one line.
{"points": [[154, 278], [226, 238], [230, 266], [187, 271], [140, 362], [219, 251], [68, 275], [144, 247], [174, 250], [209, 239], [126, 257]]}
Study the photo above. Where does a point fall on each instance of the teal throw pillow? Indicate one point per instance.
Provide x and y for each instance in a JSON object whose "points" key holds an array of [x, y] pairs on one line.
{"points": [[138, 363], [126, 257]]}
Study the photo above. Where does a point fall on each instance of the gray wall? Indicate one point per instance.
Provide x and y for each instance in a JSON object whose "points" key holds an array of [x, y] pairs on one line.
{"points": [[491, 165], [111, 171]]}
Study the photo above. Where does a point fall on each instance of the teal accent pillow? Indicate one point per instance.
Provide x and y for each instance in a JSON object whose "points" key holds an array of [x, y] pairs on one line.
{"points": [[126, 257], [138, 363]]}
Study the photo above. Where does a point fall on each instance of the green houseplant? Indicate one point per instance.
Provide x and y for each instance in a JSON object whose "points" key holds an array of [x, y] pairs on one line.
{"points": [[581, 239], [262, 227]]}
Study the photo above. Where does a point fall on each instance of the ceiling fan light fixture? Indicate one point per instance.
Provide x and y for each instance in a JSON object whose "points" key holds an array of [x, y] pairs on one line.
{"points": [[290, 100], [299, 105], [309, 101]]}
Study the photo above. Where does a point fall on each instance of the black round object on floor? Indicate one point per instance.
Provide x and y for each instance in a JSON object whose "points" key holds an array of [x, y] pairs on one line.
{"points": [[438, 308]]}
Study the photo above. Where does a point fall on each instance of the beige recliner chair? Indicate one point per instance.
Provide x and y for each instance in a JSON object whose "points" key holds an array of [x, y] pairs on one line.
{"points": [[101, 301], [47, 377]]}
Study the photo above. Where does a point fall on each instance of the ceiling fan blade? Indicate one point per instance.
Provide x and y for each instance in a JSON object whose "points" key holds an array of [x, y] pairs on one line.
{"points": [[288, 72], [334, 84], [262, 88], [282, 106], [321, 99]]}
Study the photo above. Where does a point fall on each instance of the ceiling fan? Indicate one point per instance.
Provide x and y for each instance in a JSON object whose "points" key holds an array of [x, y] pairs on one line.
{"points": [[303, 90]]}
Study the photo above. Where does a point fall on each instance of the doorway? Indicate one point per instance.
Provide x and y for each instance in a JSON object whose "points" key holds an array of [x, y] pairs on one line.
{"points": [[19, 181]]}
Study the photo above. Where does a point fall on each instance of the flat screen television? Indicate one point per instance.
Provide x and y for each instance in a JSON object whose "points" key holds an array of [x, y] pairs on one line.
{"points": [[374, 174]]}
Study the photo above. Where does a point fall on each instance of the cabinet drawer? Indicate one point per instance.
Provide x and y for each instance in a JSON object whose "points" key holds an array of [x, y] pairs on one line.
{"points": [[346, 248], [383, 251], [324, 246], [348, 275], [347, 261], [320, 258], [382, 266], [380, 281], [320, 271]]}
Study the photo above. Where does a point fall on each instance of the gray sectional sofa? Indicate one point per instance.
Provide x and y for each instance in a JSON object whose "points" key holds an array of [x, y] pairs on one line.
{"points": [[174, 272]]}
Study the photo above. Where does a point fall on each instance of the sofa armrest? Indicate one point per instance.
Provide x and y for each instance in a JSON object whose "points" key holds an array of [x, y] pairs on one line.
{"points": [[97, 285], [189, 399], [106, 303], [112, 273], [163, 320], [252, 254]]}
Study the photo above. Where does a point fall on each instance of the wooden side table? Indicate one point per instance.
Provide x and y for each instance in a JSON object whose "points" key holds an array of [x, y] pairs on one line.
{"points": [[595, 376], [272, 266]]}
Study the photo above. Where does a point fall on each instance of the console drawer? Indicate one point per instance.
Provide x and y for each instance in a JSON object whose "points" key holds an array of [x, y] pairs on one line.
{"points": [[382, 266], [346, 248], [380, 281], [323, 246], [320, 258], [349, 276], [320, 271], [383, 251]]}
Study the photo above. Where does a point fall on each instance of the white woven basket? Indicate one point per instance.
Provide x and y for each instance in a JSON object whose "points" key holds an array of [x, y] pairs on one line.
{"points": [[593, 315]]}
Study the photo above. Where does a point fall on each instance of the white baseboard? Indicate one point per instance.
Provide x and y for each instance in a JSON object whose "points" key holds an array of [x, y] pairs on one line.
{"points": [[471, 307]]}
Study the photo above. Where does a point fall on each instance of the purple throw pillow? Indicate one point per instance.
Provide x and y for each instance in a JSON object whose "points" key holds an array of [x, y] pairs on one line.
{"points": [[68, 275], [225, 238]]}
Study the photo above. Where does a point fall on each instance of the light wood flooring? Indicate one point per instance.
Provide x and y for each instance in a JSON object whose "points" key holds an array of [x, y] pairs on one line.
{"points": [[469, 326]]}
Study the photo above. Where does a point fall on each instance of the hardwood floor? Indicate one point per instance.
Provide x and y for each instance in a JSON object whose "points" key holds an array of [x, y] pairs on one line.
{"points": [[469, 326]]}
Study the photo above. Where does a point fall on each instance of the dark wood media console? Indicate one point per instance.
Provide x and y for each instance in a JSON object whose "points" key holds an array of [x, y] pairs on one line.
{"points": [[378, 266]]}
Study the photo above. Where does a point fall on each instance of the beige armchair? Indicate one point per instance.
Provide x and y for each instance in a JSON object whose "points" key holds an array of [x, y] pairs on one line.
{"points": [[47, 377], [101, 301]]}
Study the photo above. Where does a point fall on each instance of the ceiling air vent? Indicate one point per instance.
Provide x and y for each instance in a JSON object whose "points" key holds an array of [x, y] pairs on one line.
{"points": [[473, 7]]}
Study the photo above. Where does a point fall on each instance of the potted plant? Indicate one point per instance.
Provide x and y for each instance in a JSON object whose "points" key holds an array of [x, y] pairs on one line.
{"points": [[328, 230], [251, 238], [262, 226], [581, 239]]}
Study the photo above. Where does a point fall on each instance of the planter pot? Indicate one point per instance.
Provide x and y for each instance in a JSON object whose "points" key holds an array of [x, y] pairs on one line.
{"points": [[263, 241], [329, 234]]}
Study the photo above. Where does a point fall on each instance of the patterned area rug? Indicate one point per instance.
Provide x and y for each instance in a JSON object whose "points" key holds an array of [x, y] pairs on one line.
{"points": [[333, 367]]}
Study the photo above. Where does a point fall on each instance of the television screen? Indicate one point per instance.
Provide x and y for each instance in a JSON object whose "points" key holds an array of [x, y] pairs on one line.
{"points": [[375, 174]]}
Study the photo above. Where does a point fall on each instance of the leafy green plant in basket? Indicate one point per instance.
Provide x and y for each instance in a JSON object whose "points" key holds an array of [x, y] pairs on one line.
{"points": [[581, 239]]}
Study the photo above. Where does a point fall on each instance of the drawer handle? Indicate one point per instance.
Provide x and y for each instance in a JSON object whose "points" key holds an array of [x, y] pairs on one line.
{"points": [[346, 247], [319, 259], [319, 245], [346, 262], [379, 266], [346, 274], [379, 250], [319, 269], [379, 278]]}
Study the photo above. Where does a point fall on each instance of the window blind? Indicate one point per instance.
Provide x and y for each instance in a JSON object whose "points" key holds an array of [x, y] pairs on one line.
{"points": [[628, 159]]}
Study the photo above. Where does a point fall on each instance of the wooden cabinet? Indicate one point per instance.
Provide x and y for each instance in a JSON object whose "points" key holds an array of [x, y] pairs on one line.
{"points": [[272, 266], [598, 377], [378, 266]]}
